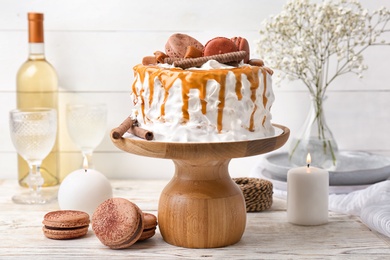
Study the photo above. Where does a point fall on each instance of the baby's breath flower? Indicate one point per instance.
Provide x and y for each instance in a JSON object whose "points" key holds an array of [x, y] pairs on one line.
{"points": [[306, 37]]}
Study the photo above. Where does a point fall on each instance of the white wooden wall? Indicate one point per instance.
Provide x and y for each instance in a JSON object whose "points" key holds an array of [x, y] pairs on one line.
{"points": [[95, 44]]}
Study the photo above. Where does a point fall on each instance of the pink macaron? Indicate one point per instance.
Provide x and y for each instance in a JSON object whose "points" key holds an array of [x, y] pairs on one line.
{"points": [[177, 44]]}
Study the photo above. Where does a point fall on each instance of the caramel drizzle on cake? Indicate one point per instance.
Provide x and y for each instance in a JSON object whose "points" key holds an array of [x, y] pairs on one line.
{"points": [[197, 79]]}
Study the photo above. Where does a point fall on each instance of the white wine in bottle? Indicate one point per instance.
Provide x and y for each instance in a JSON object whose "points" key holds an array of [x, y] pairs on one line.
{"points": [[37, 86]]}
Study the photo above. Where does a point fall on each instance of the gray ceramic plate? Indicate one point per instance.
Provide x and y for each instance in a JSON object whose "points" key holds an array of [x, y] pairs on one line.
{"points": [[281, 186], [354, 168]]}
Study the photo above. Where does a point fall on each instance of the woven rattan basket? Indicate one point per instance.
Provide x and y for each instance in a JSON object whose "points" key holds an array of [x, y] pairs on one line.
{"points": [[257, 193]]}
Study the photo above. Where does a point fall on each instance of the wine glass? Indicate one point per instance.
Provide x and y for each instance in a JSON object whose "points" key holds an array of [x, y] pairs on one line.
{"points": [[33, 133], [86, 126]]}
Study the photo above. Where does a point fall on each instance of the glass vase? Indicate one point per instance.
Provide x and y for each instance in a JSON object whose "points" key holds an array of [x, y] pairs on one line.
{"points": [[315, 138]]}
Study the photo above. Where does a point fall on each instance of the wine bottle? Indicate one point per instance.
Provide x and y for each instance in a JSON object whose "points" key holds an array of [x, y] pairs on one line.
{"points": [[37, 86]]}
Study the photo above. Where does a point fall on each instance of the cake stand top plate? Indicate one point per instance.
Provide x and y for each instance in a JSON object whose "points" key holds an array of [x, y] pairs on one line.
{"points": [[202, 151]]}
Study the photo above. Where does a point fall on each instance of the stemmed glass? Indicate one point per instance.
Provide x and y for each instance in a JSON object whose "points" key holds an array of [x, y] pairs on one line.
{"points": [[86, 126], [33, 133]]}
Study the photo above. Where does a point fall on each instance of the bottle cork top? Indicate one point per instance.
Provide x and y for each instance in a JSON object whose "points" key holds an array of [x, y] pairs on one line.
{"points": [[35, 27]]}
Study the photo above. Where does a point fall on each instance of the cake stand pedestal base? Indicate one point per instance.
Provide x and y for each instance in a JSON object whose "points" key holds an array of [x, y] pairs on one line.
{"points": [[202, 207]]}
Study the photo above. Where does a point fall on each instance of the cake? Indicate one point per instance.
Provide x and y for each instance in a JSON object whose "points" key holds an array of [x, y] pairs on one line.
{"points": [[209, 98]]}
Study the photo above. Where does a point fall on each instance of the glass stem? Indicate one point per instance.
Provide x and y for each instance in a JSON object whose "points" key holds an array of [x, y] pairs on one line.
{"points": [[87, 155], [35, 181]]}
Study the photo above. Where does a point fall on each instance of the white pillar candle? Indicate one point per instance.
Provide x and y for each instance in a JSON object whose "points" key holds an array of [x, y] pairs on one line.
{"points": [[307, 195]]}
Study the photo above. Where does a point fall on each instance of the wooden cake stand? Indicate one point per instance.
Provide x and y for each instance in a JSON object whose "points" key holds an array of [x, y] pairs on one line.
{"points": [[201, 207]]}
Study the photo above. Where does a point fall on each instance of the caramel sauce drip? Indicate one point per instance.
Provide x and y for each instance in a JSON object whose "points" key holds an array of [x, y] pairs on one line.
{"points": [[197, 79], [140, 71], [265, 99]]}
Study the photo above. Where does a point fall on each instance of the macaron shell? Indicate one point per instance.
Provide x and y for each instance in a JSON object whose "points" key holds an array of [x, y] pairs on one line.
{"points": [[63, 234], [242, 45], [147, 233], [150, 221], [131, 240], [150, 225], [219, 45], [118, 223], [177, 44], [66, 219]]}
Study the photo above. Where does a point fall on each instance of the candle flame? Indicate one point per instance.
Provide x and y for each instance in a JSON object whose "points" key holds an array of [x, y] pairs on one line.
{"points": [[85, 164], [308, 159]]}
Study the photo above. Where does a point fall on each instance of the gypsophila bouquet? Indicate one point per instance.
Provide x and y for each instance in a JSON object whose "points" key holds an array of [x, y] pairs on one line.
{"points": [[316, 43], [305, 38]]}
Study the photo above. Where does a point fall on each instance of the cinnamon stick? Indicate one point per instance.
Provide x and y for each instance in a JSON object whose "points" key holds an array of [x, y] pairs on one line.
{"points": [[140, 132], [131, 126]]}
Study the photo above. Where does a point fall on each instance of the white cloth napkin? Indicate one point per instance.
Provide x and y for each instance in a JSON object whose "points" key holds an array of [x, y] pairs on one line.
{"points": [[372, 205]]}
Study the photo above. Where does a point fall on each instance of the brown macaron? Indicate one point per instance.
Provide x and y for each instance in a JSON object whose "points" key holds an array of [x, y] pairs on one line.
{"points": [[242, 45], [65, 224], [176, 46], [150, 225], [219, 45], [118, 223]]}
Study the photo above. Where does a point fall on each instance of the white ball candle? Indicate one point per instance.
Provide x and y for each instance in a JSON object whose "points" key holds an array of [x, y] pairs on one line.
{"points": [[84, 190], [307, 195]]}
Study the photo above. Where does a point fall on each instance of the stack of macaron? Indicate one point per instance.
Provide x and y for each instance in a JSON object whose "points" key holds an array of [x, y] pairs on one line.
{"points": [[117, 222], [184, 51]]}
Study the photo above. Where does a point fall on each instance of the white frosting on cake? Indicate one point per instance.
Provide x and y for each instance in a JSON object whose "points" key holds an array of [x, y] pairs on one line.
{"points": [[214, 103]]}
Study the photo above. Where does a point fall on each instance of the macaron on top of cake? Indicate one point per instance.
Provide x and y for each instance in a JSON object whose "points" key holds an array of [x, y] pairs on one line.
{"points": [[65, 224], [219, 45], [242, 45], [118, 223], [177, 44]]}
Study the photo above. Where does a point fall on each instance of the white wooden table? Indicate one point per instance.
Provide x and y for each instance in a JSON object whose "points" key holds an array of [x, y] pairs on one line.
{"points": [[267, 235]]}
